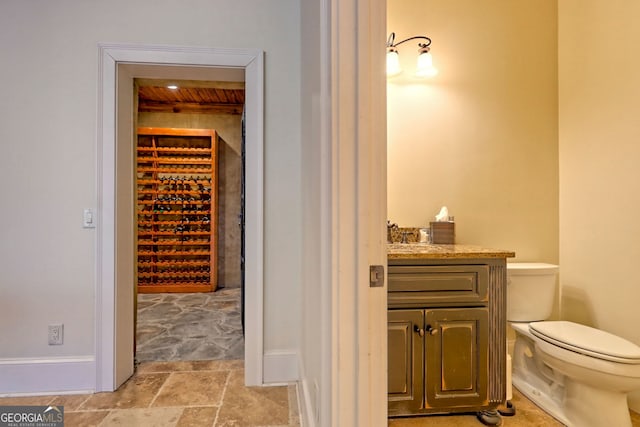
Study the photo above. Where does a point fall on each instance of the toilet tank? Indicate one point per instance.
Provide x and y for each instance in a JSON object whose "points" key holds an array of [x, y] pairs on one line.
{"points": [[531, 289]]}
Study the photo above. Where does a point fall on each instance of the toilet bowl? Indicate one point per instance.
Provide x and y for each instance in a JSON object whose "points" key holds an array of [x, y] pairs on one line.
{"points": [[578, 374]]}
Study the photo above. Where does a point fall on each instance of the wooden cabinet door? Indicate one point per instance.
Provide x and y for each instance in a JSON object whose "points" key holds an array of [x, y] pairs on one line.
{"points": [[405, 362], [456, 345]]}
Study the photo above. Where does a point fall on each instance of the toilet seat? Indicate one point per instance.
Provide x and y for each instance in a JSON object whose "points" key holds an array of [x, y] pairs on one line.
{"points": [[586, 340]]}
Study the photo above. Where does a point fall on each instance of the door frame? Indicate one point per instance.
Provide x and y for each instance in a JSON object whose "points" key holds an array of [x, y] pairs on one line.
{"points": [[358, 125], [114, 286]]}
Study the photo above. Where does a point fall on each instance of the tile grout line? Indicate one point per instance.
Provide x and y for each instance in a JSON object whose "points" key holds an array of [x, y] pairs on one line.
{"points": [[160, 390], [224, 391], [79, 407]]}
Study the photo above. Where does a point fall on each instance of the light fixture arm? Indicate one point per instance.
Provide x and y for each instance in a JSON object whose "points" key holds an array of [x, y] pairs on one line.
{"points": [[392, 37]]}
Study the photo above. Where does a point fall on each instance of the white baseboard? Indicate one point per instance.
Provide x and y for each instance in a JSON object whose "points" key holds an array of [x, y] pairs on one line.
{"points": [[306, 398], [47, 376], [280, 367], [306, 407]]}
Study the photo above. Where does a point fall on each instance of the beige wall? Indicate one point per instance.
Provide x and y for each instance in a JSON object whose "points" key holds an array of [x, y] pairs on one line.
{"points": [[565, 178], [599, 158], [481, 137], [229, 128]]}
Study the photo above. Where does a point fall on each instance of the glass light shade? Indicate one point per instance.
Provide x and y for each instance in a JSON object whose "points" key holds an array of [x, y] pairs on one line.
{"points": [[393, 63], [424, 67]]}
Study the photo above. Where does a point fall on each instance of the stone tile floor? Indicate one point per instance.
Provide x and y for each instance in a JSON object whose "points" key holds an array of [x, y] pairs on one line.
{"points": [[178, 394], [212, 393], [527, 415], [176, 385], [189, 326]]}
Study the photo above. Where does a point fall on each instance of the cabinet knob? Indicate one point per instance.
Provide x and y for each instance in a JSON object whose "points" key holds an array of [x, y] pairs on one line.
{"points": [[418, 330], [431, 330]]}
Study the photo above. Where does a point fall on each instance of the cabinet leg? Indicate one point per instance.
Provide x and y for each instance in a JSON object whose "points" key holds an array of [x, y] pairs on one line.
{"points": [[507, 410], [490, 418]]}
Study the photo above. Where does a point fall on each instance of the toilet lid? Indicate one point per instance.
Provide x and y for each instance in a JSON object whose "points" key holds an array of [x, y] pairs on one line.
{"points": [[586, 340]]}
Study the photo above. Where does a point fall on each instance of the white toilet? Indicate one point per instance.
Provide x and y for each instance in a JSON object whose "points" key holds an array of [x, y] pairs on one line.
{"points": [[579, 375]]}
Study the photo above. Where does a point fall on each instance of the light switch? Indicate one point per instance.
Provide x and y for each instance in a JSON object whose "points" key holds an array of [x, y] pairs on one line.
{"points": [[88, 219]]}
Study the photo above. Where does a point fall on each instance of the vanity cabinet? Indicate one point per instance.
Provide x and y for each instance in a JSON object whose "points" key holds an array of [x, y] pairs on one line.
{"points": [[435, 358], [446, 334]]}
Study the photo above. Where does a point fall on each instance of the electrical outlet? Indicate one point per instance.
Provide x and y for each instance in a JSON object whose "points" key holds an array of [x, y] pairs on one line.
{"points": [[56, 334]]}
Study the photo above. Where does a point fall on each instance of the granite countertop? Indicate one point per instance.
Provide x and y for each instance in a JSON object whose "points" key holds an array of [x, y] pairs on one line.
{"points": [[430, 251]]}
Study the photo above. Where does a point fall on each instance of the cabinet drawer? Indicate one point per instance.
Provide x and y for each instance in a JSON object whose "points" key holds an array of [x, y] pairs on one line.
{"points": [[451, 284]]}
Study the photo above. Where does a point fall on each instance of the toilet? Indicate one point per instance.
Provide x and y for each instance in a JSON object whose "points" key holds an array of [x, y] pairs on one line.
{"points": [[578, 374]]}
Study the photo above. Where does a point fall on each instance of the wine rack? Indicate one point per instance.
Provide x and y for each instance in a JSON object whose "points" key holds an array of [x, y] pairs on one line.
{"points": [[177, 203]]}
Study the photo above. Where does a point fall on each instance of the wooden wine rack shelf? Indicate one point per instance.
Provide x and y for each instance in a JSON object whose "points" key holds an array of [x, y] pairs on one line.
{"points": [[177, 210]]}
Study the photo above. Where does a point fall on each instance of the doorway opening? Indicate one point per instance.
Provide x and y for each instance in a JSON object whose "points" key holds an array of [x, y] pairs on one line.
{"points": [[120, 65], [189, 218]]}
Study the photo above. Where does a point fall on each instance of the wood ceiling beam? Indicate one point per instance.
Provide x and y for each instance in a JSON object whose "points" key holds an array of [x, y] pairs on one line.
{"points": [[188, 107], [190, 83]]}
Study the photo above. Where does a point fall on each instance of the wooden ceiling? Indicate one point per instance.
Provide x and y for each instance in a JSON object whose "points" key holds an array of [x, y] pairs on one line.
{"points": [[192, 96]]}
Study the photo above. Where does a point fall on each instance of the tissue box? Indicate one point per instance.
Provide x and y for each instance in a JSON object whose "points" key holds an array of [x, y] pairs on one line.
{"points": [[443, 232]]}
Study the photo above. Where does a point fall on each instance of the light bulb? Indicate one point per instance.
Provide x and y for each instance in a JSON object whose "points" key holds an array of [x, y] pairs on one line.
{"points": [[424, 67], [393, 63]]}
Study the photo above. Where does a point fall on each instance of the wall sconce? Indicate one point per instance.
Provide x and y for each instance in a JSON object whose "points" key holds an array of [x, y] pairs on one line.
{"points": [[424, 65]]}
